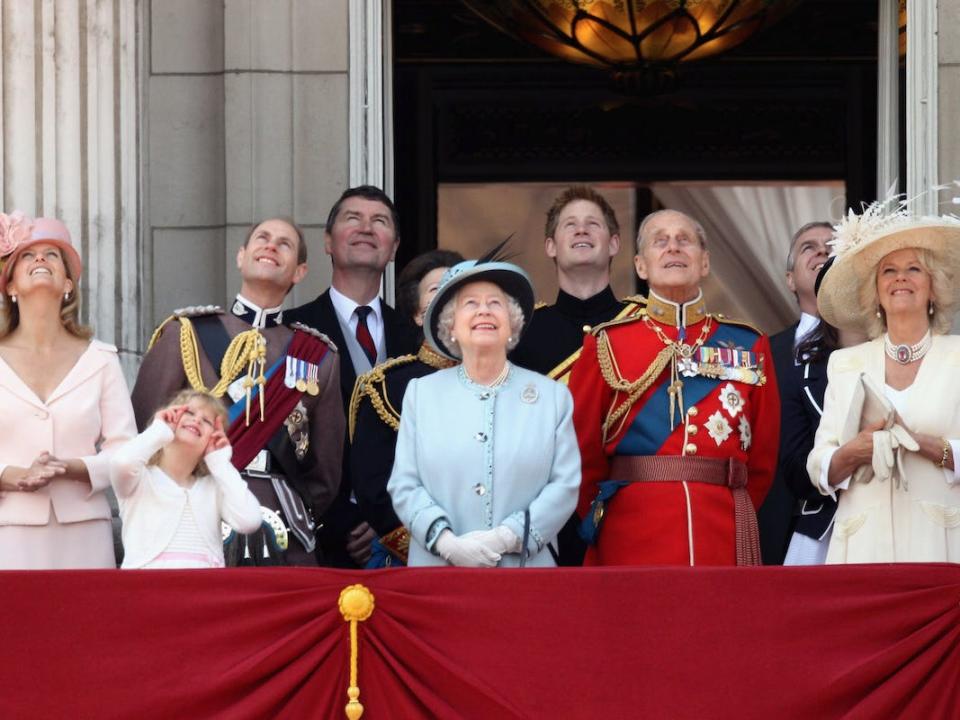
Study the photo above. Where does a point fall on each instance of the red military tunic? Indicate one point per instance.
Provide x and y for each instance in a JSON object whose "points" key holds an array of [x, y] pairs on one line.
{"points": [[729, 409]]}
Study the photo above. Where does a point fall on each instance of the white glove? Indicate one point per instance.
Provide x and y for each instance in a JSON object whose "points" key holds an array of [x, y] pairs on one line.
{"points": [[887, 451], [501, 539], [465, 551]]}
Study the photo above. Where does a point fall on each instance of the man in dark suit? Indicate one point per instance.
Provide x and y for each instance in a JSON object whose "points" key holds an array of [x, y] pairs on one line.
{"points": [[808, 253], [361, 238]]}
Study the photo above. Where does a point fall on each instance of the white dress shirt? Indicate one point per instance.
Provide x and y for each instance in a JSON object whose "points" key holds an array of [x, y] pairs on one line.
{"points": [[346, 311]]}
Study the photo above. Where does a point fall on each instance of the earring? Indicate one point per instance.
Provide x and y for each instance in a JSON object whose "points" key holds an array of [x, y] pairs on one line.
{"points": [[930, 308], [13, 299], [510, 339], [66, 296], [878, 313]]}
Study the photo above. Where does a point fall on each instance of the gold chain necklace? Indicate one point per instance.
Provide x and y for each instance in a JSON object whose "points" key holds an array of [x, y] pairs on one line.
{"points": [[681, 352]]}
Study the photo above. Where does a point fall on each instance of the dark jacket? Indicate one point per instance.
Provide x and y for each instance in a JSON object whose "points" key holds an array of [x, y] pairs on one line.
{"points": [[344, 514]]}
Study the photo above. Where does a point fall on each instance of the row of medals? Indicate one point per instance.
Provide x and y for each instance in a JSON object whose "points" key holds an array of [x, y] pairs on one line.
{"points": [[302, 376]]}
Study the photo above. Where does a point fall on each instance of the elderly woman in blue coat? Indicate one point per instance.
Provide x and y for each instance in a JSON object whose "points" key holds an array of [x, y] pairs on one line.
{"points": [[487, 467]]}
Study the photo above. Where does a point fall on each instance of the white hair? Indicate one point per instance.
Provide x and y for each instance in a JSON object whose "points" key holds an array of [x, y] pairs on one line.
{"points": [[445, 324]]}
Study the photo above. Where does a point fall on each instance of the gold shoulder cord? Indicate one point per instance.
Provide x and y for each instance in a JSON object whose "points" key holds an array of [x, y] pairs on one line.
{"points": [[365, 387], [239, 353], [633, 390]]}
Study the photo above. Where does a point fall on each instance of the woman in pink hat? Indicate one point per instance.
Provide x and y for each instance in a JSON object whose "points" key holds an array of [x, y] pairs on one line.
{"points": [[65, 405]]}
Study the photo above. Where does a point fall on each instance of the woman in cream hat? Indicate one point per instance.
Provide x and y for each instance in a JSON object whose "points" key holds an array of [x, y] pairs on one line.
{"points": [[894, 278], [64, 400], [487, 467]]}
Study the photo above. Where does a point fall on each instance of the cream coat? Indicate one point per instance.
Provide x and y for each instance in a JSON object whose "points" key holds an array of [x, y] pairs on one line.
{"points": [[90, 409], [878, 521]]}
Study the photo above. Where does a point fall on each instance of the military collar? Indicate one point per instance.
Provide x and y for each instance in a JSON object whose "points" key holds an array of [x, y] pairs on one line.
{"points": [[675, 314], [256, 316], [591, 307], [429, 356]]}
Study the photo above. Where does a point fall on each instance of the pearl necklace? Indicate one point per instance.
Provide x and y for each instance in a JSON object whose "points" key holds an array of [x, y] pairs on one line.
{"points": [[497, 381], [906, 354]]}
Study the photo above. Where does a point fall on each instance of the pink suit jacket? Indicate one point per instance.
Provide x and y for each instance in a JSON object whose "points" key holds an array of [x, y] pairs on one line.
{"points": [[89, 411]]}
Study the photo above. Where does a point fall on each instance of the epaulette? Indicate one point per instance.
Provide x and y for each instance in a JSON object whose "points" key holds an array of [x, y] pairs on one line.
{"points": [[621, 319], [198, 311], [372, 384], [185, 312], [313, 331], [720, 317], [638, 299], [540, 304]]}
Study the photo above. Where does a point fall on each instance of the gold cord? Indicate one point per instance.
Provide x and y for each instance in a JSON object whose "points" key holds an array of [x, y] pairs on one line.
{"points": [[671, 354], [240, 352]]}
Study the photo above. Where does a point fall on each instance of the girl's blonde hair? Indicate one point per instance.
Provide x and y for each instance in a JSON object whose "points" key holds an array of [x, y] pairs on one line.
{"points": [[209, 401]]}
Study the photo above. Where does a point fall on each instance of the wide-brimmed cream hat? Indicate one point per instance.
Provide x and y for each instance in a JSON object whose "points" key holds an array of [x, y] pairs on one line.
{"points": [[861, 241]]}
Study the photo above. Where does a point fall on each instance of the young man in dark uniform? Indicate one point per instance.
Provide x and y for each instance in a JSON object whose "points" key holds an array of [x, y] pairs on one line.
{"points": [[582, 236], [281, 383]]}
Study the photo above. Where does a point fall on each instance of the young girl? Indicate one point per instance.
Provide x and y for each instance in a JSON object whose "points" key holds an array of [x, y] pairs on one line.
{"points": [[175, 483]]}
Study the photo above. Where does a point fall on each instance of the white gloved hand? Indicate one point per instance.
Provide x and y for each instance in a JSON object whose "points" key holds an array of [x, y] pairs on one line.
{"points": [[501, 539], [465, 551], [882, 455], [888, 447]]}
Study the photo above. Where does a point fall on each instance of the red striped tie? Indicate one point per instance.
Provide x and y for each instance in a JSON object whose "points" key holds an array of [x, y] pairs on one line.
{"points": [[363, 334]]}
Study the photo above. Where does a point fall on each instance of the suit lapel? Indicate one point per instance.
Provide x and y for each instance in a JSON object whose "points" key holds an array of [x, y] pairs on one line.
{"points": [[328, 316], [12, 382], [90, 363]]}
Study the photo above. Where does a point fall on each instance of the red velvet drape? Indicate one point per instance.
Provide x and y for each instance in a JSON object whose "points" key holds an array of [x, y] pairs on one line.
{"points": [[877, 641]]}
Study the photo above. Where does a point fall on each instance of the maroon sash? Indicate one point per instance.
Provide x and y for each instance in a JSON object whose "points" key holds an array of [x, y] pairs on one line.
{"points": [[248, 440]]}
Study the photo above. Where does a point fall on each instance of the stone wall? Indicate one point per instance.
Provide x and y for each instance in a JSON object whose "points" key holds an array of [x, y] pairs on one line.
{"points": [[246, 113]]}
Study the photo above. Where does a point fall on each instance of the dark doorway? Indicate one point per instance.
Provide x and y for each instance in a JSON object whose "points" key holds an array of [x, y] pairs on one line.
{"points": [[795, 103]]}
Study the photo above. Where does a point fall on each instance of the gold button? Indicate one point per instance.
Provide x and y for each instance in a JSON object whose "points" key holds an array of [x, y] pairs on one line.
{"points": [[692, 412], [692, 429], [587, 328], [691, 449]]}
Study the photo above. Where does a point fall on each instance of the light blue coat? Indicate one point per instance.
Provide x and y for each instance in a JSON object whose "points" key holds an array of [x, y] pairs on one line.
{"points": [[477, 457]]}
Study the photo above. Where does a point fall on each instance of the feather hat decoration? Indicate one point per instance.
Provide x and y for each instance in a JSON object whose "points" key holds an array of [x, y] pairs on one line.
{"points": [[861, 241], [492, 266]]}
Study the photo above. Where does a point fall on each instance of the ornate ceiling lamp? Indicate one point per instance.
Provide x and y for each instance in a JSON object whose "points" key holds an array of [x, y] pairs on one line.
{"points": [[628, 36]]}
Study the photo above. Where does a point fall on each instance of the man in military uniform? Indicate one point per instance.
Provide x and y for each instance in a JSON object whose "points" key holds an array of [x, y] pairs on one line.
{"points": [[361, 238], [677, 417], [281, 383], [582, 236]]}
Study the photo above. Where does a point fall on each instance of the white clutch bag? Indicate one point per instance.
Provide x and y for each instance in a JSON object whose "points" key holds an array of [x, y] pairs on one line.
{"points": [[870, 407]]}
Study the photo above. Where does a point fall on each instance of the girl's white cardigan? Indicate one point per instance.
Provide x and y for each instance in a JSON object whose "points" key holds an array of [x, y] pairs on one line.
{"points": [[151, 503]]}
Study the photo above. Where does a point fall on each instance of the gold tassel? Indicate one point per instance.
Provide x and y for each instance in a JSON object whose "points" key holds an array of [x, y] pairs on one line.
{"points": [[356, 605]]}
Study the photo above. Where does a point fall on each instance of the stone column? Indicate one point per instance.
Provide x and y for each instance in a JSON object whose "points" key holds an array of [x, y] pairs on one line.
{"points": [[248, 118], [68, 131], [948, 88]]}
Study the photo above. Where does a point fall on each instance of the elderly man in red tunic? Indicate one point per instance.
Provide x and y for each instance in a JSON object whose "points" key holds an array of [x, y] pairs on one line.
{"points": [[677, 416]]}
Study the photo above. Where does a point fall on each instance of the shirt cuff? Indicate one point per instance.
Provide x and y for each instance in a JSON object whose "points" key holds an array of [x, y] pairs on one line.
{"points": [[953, 476], [433, 532], [823, 483]]}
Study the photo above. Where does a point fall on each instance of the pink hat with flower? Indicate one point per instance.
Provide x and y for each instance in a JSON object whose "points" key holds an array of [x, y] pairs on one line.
{"points": [[18, 232]]}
